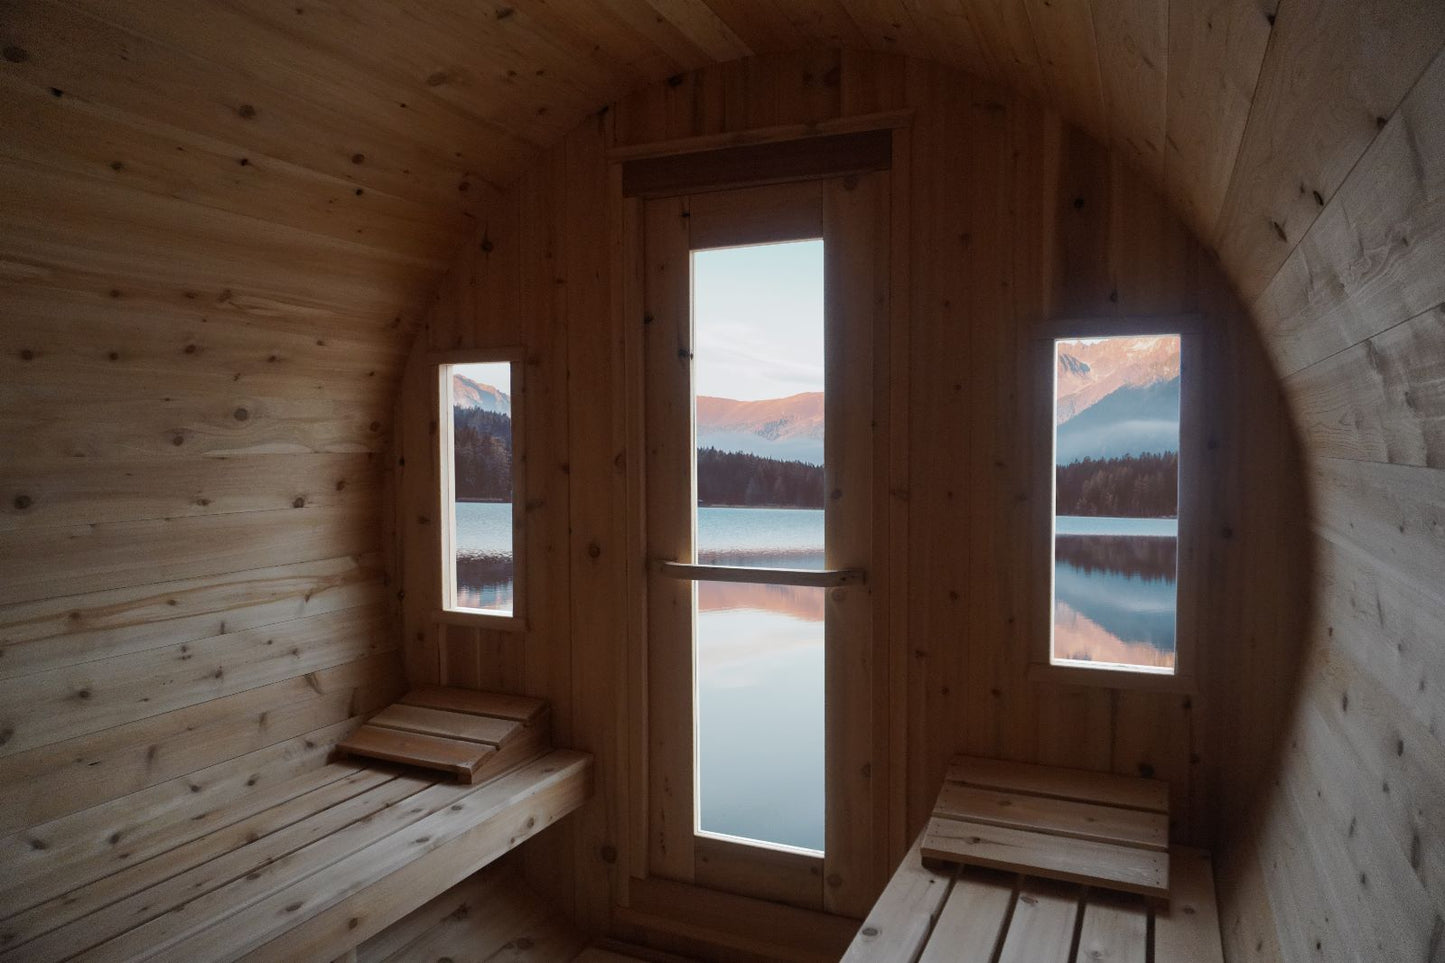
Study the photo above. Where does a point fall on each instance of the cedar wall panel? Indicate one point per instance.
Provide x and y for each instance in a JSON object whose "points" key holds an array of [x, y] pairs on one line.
{"points": [[1003, 216], [199, 348], [1346, 856]]}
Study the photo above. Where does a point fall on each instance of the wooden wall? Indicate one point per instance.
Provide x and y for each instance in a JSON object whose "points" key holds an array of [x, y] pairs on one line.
{"points": [[1003, 216], [1346, 857], [200, 339]]}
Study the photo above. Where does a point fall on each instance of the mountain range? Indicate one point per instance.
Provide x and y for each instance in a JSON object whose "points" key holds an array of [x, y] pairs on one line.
{"points": [[1089, 371], [467, 393], [790, 429], [1117, 397]]}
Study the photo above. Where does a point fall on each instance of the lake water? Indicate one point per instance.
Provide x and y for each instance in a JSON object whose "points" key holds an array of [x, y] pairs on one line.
{"points": [[485, 569], [1115, 594]]}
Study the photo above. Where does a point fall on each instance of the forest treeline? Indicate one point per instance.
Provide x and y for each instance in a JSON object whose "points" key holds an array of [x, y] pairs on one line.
{"points": [[482, 451], [738, 478], [1143, 486]]}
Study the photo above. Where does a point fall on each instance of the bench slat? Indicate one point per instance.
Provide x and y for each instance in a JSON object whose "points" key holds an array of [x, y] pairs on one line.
{"points": [[1130, 792], [519, 708], [1115, 928], [971, 925], [1059, 817], [438, 722], [899, 923], [1042, 928], [434, 752], [1188, 930], [1128, 868]]}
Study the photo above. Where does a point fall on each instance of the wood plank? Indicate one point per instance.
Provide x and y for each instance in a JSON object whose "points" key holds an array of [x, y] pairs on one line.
{"points": [[94, 558], [44, 708], [66, 777], [1127, 791], [1131, 37], [329, 785], [757, 871], [1316, 94], [897, 926], [493, 915], [856, 221], [746, 927], [667, 413], [1367, 263], [437, 722], [1187, 929], [46, 634], [1381, 400], [1114, 928], [851, 124], [972, 925], [138, 904], [173, 931], [1069, 58], [1042, 927], [463, 759], [1214, 58], [1055, 817], [1079, 861], [53, 858], [732, 167], [363, 894], [522, 709]]}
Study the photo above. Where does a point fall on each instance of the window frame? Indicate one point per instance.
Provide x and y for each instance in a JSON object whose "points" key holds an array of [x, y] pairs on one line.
{"points": [[446, 611], [846, 877], [1194, 351]]}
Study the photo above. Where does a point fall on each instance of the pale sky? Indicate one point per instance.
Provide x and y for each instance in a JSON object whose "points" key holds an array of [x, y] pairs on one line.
{"points": [[758, 320]]}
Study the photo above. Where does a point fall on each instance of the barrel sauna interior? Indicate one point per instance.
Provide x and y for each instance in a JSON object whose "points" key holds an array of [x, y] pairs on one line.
{"points": [[239, 239]]}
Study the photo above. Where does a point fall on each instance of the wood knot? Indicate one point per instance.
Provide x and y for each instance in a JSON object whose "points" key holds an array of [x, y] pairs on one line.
{"points": [[870, 931], [17, 55], [241, 414], [246, 111], [358, 158], [299, 502], [594, 550], [22, 502]]}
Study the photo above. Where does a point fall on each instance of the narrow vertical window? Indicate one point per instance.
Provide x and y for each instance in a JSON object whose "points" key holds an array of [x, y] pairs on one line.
{"points": [[758, 427], [1116, 502], [479, 478]]}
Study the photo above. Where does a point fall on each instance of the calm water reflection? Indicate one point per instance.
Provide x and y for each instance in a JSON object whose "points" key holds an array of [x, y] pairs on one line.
{"points": [[1114, 597]]}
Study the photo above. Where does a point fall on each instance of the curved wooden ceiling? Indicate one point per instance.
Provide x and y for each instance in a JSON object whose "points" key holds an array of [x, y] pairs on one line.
{"points": [[378, 128]]}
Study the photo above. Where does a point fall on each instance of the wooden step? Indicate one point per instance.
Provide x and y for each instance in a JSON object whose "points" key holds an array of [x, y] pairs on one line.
{"points": [[1097, 829], [472, 735]]}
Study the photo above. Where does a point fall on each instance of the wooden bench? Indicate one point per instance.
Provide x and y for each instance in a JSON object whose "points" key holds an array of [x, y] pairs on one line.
{"points": [[970, 914], [303, 870]]}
